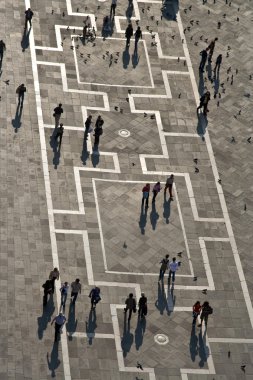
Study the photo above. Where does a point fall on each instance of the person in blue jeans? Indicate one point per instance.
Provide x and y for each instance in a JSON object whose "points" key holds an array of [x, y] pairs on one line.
{"points": [[64, 293], [173, 267]]}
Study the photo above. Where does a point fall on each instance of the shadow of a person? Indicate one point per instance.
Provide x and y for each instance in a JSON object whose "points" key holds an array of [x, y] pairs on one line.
{"points": [[139, 332], [216, 86], [72, 321], [91, 325], [202, 125], [45, 318], [171, 300], [135, 59], [209, 70], [154, 216], [16, 122], [127, 339], [201, 84], [54, 146], [129, 10], [126, 57], [95, 158], [143, 219], [85, 153], [54, 361], [193, 344], [203, 349], [166, 209], [25, 39], [161, 302]]}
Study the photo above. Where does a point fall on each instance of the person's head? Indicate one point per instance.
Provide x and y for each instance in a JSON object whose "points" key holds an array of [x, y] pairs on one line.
{"points": [[174, 259], [22, 85], [66, 283], [77, 280], [206, 303], [216, 39], [60, 104], [208, 93], [90, 117], [143, 294], [197, 303], [60, 314], [55, 269], [131, 295], [172, 176], [99, 117], [148, 185], [158, 183], [139, 28], [167, 256], [61, 125]]}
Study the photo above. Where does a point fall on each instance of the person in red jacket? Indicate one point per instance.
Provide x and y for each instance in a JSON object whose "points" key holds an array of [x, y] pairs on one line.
{"points": [[196, 309], [145, 195]]}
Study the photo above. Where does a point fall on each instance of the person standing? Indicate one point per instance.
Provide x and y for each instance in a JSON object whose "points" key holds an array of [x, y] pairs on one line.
{"points": [[59, 133], [204, 100], [143, 308], [217, 64], [21, 94], [94, 297], [2, 50], [205, 312], [57, 114], [156, 189], [59, 320], [202, 64], [64, 293], [196, 309], [54, 275], [87, 125], [169, 185], [28, 17], [130, 305], [85, 28], [137, 36], [164, 266], [145, 195], [98, 131], [173, 267], [113, 7], [211, 47], [76, 288], [129, 33], [48, 289]]}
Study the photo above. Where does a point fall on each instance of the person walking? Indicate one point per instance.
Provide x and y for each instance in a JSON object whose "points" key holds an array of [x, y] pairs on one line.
{"points": [[59, 133], [94, 297], [210, 48], [113, 7], [143, 309], [196, 309], [202, 64], [206, 310], [173, 267], [28, 17], [130, 305], [54, 275], [156, 189], [98, 131], [21, 94], [137, 36], [48, 289], [76, 288], [129, 33], [204, 100], [88, 128], [85, 28], [57, 114], [164, 266], [217, 64], [64, 293], [59, 320], [2, 50], [145, 195], [169, 185]]}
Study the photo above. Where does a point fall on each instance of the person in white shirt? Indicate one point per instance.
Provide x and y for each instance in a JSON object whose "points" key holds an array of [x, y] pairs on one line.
{"points": [[173, 267]]}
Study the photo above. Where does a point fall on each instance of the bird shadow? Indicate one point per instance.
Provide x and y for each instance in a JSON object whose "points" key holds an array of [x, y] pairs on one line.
{"points": [[25, 39], [127, 338], [126, 57], [202, 125], [143, 219], [16, 122], [91, 325], [139, 332], [54, 362], [71, 325], [170, 9], [135, 59], [45, 318], [166, 209], [193, 344], [154, 216], [161, 302]]}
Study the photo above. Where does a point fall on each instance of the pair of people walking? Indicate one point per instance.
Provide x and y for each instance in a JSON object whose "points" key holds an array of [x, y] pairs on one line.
{"points": [[130, 32], [131, 306], [203, 310], [171, 266], [98, 131]]}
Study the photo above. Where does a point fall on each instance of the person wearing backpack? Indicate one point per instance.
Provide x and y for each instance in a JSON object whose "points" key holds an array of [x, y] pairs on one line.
{"points": [[206, 311], [164, 266], [130, 305]]}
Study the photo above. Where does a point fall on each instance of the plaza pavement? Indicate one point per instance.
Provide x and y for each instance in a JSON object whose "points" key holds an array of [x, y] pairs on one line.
{"points": [[80, 209]]}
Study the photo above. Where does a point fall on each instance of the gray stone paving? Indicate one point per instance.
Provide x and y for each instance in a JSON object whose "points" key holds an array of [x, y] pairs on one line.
{"points": [[27, 350]]}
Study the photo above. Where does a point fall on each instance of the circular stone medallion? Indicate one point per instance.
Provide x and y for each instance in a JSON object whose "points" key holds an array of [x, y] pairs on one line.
{"points": [[161, 339], [124, 133]]}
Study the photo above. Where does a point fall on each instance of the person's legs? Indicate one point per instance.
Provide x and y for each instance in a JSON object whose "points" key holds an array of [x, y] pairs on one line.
{"points": [[135, 44], [206, 319], [63, 299], [173, 276], [154, 196], [45, 298], [147, 201], [142, 201], [74, 295], [57, 120], [125, 309], [60, 141], [53, 281], [96, 141], [57, 330], [169, 277], [170, 191], [130, 314], [161, 275]]}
